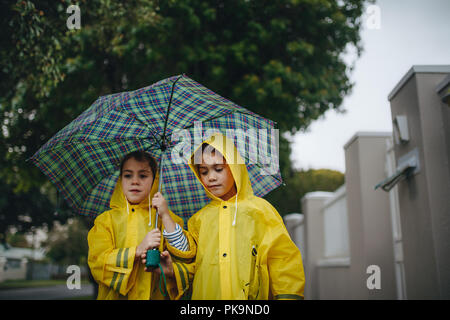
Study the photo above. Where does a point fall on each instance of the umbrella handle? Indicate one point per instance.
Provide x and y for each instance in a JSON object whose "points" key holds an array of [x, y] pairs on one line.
{"points": [[152, 258], [159, 187], [154, 261]]}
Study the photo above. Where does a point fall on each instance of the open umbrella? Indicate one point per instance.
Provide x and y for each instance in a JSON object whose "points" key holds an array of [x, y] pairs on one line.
{"points": [[165, 119]]}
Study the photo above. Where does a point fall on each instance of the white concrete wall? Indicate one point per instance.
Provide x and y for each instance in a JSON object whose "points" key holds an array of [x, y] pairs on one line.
{"points": [[16, 270], [295, 228], [336, 226], [312, 204]]}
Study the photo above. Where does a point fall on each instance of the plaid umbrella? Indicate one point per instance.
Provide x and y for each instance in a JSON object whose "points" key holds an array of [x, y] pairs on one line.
{"points": [[82, 160]]}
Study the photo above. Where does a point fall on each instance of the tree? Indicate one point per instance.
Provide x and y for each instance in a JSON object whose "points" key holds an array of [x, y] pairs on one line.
{"points": [[42, 70], [25, 209], [67, 244], [18, 240], [287, 197], [279, 59]]}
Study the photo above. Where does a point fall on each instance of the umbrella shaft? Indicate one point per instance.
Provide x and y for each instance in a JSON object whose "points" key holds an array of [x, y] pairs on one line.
{"points": [[159, 186]]}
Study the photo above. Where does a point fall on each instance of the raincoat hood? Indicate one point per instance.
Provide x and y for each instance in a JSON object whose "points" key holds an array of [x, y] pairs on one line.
{"points": [[119, 201], [233, 159]]}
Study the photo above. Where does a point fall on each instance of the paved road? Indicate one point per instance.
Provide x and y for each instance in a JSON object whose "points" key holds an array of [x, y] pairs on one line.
{"points": [[47, 293]]}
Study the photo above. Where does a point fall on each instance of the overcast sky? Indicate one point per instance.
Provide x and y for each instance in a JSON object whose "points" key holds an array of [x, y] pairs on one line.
{"points": [[412, 32]]}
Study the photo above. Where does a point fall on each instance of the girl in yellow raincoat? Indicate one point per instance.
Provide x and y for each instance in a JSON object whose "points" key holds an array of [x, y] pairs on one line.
{"points": [[121, 236], [243, 250]]}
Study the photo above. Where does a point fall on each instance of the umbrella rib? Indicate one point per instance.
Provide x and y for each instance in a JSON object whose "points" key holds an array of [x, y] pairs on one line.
{"points": [[81, 208], [272, 175], [139, 120], [168, 112], [231, 112], [210, 119]]}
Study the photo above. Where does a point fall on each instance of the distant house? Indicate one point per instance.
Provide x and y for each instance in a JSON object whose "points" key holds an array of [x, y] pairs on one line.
{"points": [[20, 253], [13, 261]]}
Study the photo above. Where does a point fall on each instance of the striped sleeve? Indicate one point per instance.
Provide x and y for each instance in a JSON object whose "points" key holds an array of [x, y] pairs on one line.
{"points": [[177, 239]]}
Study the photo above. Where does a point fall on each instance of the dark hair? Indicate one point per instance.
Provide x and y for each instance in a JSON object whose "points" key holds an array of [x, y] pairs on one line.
{"points": [[141, 156], [201, 150], [205, 145]]}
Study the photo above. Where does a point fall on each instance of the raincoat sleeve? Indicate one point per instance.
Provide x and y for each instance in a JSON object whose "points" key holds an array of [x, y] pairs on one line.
{"points": [[183, 265], [285, 266], [110, 265]]}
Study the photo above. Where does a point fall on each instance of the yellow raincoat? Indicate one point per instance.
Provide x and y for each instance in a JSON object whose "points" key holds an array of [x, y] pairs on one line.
{"points": [[252, 259], [112, 246]]}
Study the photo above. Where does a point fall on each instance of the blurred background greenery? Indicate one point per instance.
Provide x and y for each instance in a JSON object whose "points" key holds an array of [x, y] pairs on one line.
{"points": [[281, 59]]}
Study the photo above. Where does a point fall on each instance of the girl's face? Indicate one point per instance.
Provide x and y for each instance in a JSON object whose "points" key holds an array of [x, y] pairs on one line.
{"points": [[137, 180], [216, 175]]}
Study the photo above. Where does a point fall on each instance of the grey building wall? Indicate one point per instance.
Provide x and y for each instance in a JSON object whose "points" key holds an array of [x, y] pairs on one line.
{"points": [[370, 230], [334, 280], [424, 198]]}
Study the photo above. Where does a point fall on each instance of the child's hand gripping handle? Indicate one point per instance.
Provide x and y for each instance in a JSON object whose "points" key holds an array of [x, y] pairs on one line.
{"points": [[158, 202], [152, 257]]}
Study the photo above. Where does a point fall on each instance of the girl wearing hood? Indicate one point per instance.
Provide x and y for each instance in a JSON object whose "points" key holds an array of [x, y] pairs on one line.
{"points": [[243, 250], [120, 237]]}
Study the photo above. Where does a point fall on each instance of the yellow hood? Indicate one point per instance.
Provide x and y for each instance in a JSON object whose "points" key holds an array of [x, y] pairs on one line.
{"points": [[118, 200], [234, 160]]}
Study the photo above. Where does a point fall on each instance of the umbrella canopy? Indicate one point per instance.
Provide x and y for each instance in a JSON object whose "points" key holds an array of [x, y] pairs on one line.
{"points": [[165, 119]]}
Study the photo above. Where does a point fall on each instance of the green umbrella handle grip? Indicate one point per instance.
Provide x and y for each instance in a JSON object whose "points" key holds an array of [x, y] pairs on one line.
{"points": [[152, 258], [153, 261]]}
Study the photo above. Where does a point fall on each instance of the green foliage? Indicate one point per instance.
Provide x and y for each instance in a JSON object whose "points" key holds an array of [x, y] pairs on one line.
{"points": [[43, 72], [26, 209], [320, 180], [68, 243], [286, 199], [18, 240], [281, 59]]}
